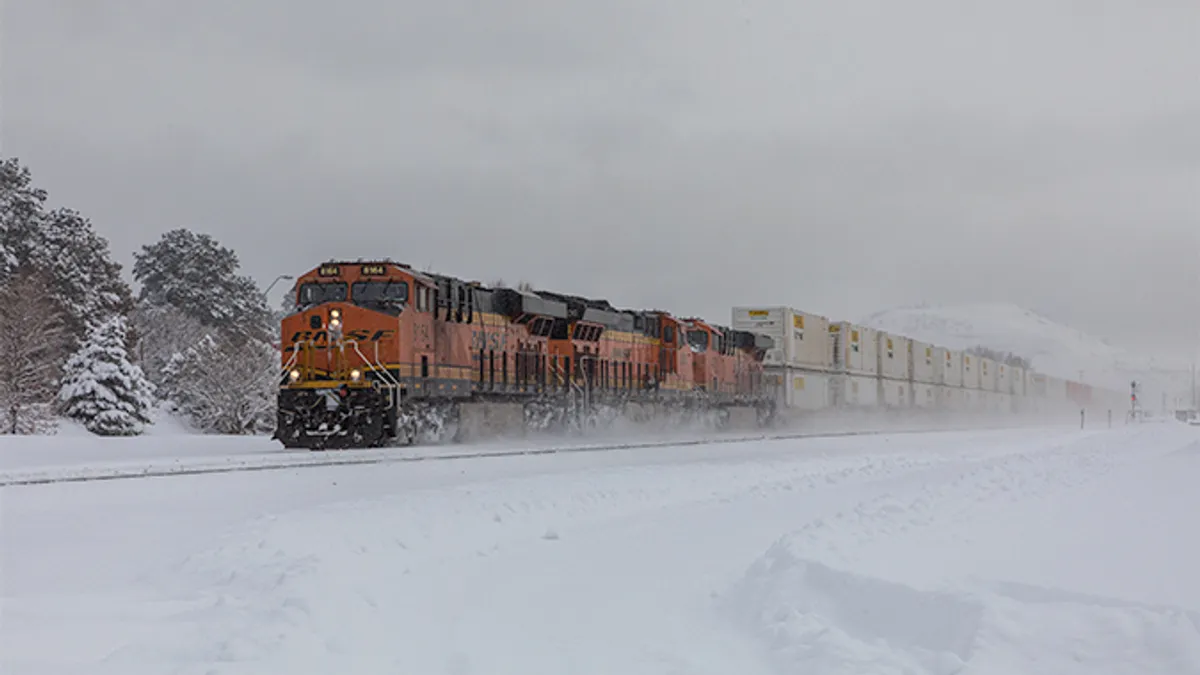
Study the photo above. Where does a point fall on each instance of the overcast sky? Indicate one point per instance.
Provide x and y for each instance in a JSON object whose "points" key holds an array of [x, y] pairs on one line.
{"points": [[840, 157]]}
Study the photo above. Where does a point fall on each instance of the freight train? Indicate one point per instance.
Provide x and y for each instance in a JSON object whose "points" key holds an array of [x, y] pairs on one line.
{"points": [[377, 353], [817, 365]]}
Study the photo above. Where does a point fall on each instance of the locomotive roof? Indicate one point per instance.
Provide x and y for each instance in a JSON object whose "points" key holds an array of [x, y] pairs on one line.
{"points": [[600, 310], [408, 269]]}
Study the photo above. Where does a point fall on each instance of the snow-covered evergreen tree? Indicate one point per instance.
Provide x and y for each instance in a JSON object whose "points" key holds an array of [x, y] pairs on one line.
{"points": [[101, 388], [33, 339], [8, 263], [196, 275], [86, 279], [21, 214], [64, 247]]}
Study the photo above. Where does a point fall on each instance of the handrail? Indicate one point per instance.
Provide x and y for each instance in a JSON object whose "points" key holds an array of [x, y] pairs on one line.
{"points": [[287, 367], [375, 367]]}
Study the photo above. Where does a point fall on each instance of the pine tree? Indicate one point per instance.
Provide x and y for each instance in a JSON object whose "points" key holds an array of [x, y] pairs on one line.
{"points": [[102, 389], [33, 341], [8, 262], [196, 275], [64, 247], [21, 214], [86, 279]]}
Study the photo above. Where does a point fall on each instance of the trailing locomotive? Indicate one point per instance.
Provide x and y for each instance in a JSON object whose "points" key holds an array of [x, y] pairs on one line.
{"points": [[377, 352]]}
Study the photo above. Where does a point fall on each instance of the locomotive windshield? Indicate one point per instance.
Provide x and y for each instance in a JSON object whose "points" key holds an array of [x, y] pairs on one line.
{"points": [[698, 339], [380, 294], [313, 294]]}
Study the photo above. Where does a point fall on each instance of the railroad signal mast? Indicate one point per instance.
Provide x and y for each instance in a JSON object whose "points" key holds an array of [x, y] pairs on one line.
{"points": [[1135, 406]]}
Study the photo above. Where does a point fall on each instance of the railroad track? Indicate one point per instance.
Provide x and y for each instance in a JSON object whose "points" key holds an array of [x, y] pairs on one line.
{"points": [[56, 475]]}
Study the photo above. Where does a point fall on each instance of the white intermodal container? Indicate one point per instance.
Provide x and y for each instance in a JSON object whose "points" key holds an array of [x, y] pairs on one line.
{"points": [[951, 364], [970, 371], [925, 396], [855, 348], [1017, 378], [1003, 378], [985, 400], [801, 339], [1001, 402], [855, 391], [806, 390], [976, 400], [1007, 403], [1037, 386], [953, 399], [893, 356], [987, 374], [921, 364], [896, 393]]}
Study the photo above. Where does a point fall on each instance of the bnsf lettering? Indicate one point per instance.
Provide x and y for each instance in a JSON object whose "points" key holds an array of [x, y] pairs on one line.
{"points": [[361, 334], [496, 341]]}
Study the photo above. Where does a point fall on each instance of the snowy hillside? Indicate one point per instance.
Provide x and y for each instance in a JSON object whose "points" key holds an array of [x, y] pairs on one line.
{"points": [[1051, 347]]}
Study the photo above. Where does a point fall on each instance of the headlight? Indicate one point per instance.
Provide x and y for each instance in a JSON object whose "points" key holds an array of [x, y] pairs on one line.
{"points": [[334, 314], [335, 323], [355, 375], [294, 375]]}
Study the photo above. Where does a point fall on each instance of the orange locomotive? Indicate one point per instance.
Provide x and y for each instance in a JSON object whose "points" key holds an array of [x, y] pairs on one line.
{"points": [[376, 351]]}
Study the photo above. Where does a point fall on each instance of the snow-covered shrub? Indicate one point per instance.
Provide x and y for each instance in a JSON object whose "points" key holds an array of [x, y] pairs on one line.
{"points": [[224, 386]]}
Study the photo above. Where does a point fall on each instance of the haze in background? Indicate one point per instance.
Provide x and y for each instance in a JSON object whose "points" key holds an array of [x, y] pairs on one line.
{"points": [[689, 155]]}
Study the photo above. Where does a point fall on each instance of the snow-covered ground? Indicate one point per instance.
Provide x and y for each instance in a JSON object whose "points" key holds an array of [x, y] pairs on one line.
{"points": [[1017, 551]]}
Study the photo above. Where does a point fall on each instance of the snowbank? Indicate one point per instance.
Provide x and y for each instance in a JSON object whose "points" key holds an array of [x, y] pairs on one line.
{"points": [[823, 620], [1032, 562]]}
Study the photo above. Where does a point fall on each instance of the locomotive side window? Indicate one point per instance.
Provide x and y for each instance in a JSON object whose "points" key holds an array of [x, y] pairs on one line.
{"points": [[313, 294], [669, 334]]}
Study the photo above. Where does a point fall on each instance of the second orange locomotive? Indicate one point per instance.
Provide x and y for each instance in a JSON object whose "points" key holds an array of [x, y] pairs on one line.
{"points": [[376, 351]]}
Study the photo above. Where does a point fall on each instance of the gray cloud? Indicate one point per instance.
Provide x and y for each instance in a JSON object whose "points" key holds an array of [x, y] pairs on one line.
{"points": [[840, 157]]}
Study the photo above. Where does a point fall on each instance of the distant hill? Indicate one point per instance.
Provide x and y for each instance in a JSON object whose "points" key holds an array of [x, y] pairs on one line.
{"points": [[1051, 347]]}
